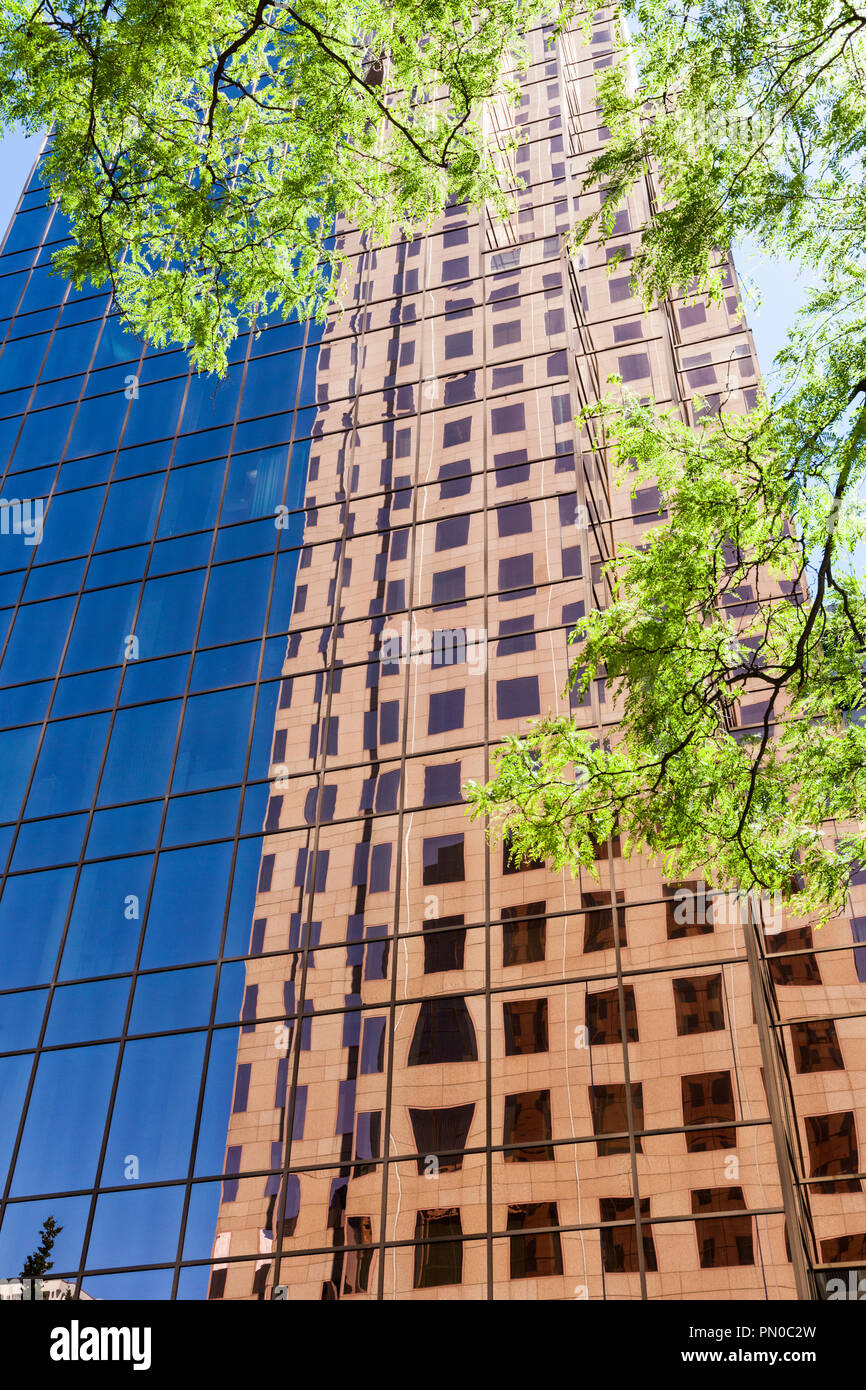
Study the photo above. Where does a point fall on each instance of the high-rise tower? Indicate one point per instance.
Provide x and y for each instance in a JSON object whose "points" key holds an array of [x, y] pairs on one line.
{"points": [[280, 1018], [486, 1086]]}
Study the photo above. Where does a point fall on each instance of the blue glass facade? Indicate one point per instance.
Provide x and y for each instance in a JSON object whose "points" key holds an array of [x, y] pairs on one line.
{"points": [[149, 533]]}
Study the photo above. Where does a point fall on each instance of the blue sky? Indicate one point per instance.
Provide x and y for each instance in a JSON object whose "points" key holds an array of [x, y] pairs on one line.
{"points": [[781, 294]]}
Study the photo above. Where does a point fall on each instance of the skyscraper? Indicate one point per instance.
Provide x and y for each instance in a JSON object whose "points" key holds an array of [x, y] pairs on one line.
{"points": [[281, 1024], [143, 638]]}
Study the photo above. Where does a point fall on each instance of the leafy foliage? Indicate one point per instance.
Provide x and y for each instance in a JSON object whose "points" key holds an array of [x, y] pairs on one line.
{"points": [[681, 779], [201, 150], [752, 116]]}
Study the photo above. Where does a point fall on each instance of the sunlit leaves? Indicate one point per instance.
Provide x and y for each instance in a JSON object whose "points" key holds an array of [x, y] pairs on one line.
{"points": [[202, 150], [682, 779], [751, 117]]}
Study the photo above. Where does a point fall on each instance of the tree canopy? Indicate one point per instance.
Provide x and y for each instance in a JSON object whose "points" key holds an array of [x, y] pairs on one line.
{"points": [[201, 150], [752, 116]]}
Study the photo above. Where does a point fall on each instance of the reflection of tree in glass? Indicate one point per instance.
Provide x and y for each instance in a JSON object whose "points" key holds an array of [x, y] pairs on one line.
{"points": [[38, 1263]]}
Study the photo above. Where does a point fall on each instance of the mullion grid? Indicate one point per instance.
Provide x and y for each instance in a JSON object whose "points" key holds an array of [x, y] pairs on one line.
{"points": [[258, 685], [672, 968], [595, 704], [313, 835], [390, 1030], [383, 1214], [488, 1235], [466, 1238]]}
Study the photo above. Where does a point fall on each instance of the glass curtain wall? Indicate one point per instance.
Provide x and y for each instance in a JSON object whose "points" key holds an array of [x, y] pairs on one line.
{"points": [[149, 531]]}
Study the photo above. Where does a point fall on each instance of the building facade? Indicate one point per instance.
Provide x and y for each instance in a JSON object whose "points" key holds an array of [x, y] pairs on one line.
{"points": [[149, 538], [308, 1034]]}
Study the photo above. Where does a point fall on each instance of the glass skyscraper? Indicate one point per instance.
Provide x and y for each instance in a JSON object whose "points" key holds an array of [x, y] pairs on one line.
{"points": [[276, 1022], [143, 639]]}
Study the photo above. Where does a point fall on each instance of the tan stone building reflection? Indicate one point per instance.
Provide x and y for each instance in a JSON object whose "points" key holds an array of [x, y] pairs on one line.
{"points": [[456, 1079]]}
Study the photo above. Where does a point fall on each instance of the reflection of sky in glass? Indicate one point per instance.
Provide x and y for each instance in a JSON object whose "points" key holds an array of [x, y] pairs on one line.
{"points": [[133, 771]]}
